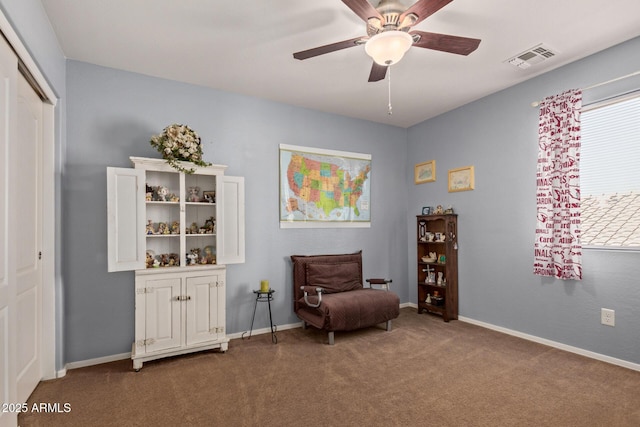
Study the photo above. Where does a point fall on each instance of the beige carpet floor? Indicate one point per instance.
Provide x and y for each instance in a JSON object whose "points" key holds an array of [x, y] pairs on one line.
{"points": [[425, 372]]}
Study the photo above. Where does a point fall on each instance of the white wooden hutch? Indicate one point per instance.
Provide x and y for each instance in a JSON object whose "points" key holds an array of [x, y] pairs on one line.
{"points": [[179, 306]]}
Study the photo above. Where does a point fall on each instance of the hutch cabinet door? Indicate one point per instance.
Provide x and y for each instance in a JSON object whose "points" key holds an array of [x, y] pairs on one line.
{"points": [[162, 312], [202, 307], [125, 219], [231, 240]]}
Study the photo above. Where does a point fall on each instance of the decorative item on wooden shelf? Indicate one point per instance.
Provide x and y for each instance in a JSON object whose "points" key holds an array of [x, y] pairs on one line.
{"points": [[179, 143]]}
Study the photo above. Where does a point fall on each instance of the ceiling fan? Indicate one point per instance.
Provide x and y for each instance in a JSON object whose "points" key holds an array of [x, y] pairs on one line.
{"points": [[388, 36]]}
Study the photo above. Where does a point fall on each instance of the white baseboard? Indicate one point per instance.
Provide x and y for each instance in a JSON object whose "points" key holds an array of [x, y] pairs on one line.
{"points": [[96, 361], [265, 330], [554, 344], [99, 360]]}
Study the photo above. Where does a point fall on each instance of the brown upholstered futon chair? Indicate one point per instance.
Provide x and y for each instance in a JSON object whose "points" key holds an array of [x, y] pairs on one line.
{"points": [[329, 294]]}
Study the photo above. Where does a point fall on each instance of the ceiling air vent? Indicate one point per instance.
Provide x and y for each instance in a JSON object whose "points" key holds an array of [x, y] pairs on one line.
{"points": [[532, 56]]}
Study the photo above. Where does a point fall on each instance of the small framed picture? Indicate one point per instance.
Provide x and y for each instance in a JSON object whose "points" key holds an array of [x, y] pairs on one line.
{"points": [[442, 259], [461, 179], [209, 196], [426, 210], [425, 172]]}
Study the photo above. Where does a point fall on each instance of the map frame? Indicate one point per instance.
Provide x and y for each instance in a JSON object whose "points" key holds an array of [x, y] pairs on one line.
{"points": [[286, 217]]}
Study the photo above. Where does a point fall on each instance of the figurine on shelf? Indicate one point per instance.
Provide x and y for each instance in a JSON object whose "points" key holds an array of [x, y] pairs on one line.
{"points": [[208, 257], [175, 227], [193, 194], [164, 260], [174, 198], [440, 279], [449, 210], [194, 256], [150, 229], [194, 228], [209, 196], [163, 228], [439, 210], [428, 300], [210, 225], [174, 260], [430, 277], [150, 260], [162, 192]]}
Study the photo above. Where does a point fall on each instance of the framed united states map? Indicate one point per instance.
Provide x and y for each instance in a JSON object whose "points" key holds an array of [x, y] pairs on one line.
{"points": [[322, 188]]}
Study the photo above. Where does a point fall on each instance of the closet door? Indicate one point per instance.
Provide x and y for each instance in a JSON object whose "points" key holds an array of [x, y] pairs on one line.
{"points": [[27, 161], [8, 333]]}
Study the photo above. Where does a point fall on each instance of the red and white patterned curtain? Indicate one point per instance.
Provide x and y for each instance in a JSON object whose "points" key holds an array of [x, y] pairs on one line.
{"points": [[558, 251]]}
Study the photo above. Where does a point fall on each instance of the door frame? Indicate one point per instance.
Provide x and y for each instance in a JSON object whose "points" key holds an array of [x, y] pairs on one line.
{"points": [[50, 219]]}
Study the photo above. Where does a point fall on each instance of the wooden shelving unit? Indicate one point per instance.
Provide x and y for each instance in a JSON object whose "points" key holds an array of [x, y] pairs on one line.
{"points": [[438, 275]]}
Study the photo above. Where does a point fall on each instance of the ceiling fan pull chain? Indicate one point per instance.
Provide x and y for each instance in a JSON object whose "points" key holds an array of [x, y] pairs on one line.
{"points": [[389, 78]]}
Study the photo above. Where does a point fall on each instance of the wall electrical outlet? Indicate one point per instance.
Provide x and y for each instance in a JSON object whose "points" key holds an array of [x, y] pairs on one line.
{"points": [[608, 317]]}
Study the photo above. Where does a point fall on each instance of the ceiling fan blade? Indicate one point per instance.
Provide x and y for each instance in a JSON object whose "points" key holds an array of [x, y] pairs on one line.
{"points": [[423, 9], [446, 43], [321, 50], [378, 72], [363, 9]]}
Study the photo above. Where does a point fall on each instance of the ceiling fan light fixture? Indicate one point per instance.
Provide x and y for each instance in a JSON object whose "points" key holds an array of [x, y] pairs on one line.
{"points": [[388, 47]]}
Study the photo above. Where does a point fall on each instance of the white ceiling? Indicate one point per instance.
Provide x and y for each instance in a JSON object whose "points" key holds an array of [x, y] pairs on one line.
{"points": [[246, 47]]}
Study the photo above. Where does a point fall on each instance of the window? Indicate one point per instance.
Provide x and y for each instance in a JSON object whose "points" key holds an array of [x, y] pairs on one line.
{"points": [[610, 173]]}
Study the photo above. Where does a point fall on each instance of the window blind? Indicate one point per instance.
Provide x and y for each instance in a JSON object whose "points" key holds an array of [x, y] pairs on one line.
{"points": [[610, 155]]}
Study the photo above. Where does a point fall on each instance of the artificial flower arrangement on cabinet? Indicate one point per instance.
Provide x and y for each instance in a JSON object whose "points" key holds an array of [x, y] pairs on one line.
{"points": [[178, 143]]}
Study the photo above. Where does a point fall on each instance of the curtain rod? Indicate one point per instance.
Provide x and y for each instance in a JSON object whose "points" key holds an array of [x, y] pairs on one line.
{"points": [[536, 103]]}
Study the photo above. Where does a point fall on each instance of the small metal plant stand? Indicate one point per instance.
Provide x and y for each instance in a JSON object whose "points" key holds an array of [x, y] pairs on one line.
{"points": [[263, 296]]}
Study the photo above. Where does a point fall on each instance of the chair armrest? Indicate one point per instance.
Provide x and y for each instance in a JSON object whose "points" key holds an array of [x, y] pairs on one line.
{"points": [[312, 290], [385, 283]]}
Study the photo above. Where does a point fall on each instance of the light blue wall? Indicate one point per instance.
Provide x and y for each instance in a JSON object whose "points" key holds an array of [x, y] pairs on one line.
{"points": [[498, 136], [111, 116]]}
